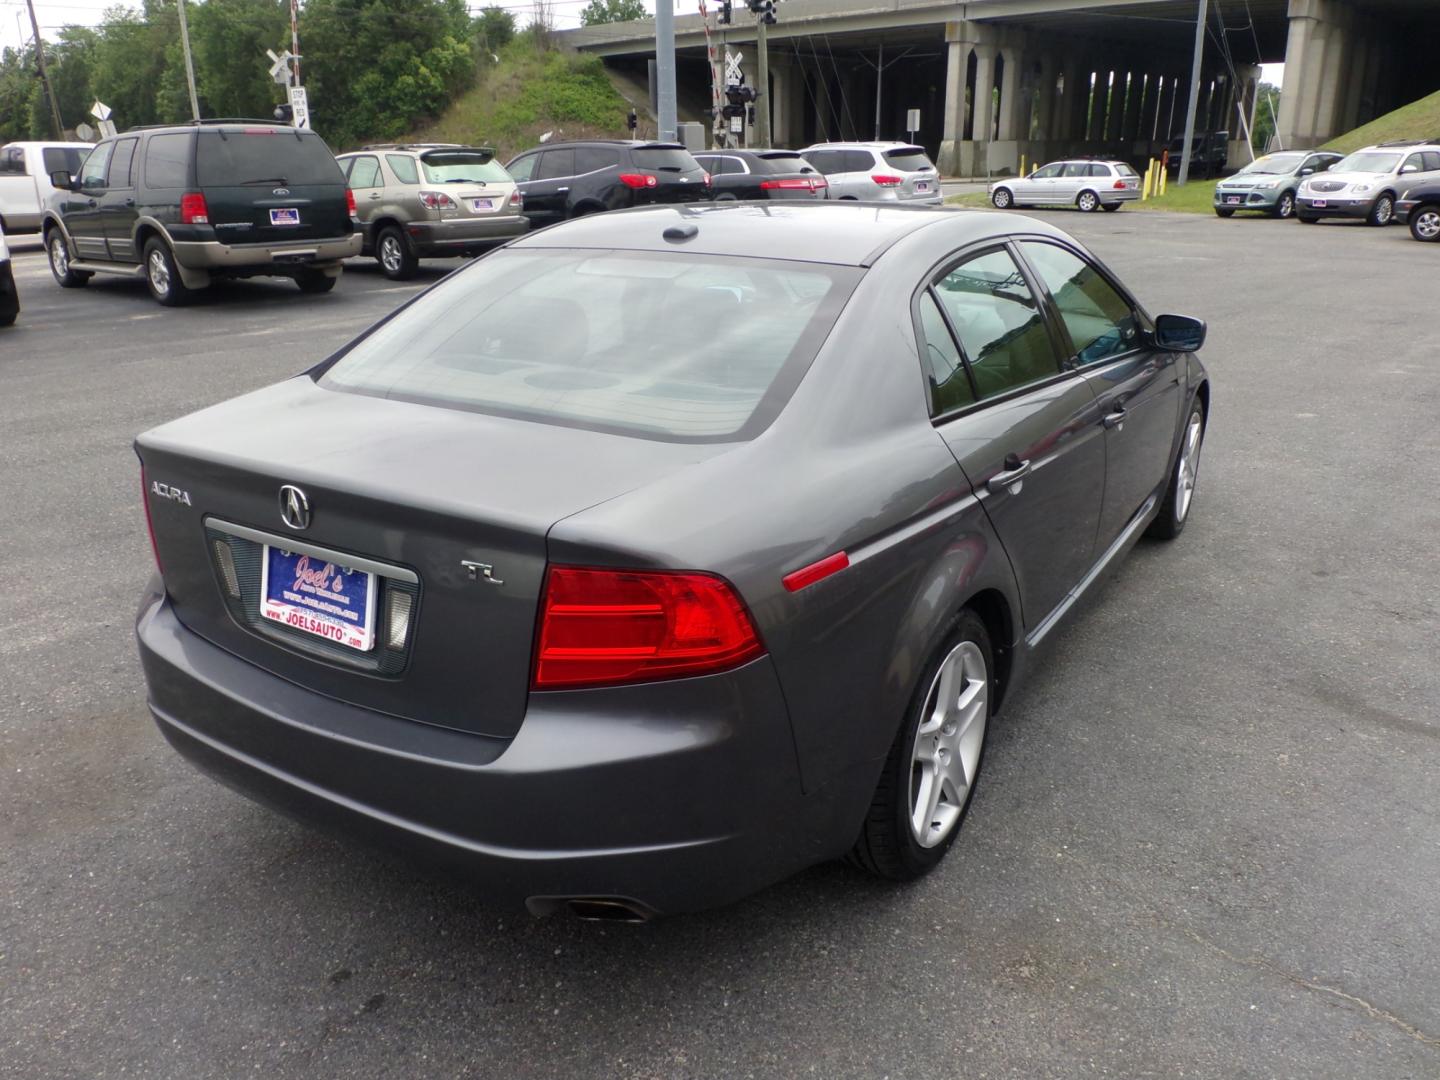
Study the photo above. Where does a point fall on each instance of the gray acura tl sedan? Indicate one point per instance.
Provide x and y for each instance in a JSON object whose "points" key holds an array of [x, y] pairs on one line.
{"points": [[661, 554]]}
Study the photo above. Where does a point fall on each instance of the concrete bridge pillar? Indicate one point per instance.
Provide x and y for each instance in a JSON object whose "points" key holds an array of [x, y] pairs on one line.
{"points": [[1315, 66], [1045, 101], [1099, 100], [982, 126], [959, 40], [1010, 103]]}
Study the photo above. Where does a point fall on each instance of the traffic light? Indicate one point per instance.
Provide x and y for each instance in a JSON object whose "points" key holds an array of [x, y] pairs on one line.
{"points": [[764, 10], [739, 95], [632, 121], [285, 114]]}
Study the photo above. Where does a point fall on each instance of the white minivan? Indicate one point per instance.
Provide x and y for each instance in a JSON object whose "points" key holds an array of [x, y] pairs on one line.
{"points": [[25, 169]]}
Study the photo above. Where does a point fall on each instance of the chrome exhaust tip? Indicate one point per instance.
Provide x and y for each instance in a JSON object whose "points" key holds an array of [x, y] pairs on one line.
{"points": [[600, 909]]}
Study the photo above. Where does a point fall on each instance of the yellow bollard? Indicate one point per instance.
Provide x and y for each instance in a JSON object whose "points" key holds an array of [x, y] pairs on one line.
{"points": [[1022, 165], [1164, 180], [1145, 187]]}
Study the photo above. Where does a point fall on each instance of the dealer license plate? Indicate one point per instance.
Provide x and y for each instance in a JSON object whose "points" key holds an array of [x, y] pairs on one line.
{"points": [[318, 597], [286, 216], [482, 204], [922, 185], [1320, 204], [1232, 200]]}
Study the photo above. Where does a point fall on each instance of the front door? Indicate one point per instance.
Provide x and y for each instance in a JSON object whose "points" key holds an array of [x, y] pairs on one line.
{"points": [[1136, 387], [117, 206], [1039, 187], [82, 208], [546, 187], [1026, 434]]}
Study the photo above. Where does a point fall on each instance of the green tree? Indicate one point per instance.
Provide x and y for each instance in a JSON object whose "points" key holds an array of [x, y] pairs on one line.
{"points": [[612, 11], [19, 90], [492, 30], [229, 39], [1266, 110], [131, 63]]}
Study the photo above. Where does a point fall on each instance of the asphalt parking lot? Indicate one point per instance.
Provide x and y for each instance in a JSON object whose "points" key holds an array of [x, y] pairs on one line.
{"points": [[1206, 843]]}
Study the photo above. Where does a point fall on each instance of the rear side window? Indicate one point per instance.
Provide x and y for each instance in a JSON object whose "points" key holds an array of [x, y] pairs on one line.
{"points": [[556, 164], [462, 166], [1100, 170], [404, 168], [999, 323], [663, 159], [1098, 319], [607, 341], [264, 156], [908, 159], [1432, 160], [950, 387], [59, 157], [12, 160], [365, 172], [119, 174], [594, 158], [167, 161], [1077, 168], [859, 160]]}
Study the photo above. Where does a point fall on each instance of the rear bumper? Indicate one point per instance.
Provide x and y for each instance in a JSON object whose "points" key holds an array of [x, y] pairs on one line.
{"points": [[266, 258], [1347, 208], [1112, 196], [675, 796], [455, 237]]}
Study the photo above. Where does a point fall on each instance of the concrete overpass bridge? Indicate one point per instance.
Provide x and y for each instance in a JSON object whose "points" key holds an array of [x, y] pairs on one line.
{"points": [[998, 79]]}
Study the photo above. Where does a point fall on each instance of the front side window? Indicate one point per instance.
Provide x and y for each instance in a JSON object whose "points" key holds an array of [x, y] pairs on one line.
{"points": [[522, 168], [1049, 172], [92, 173], [1099, 320], [365, 172], [607, 341], [1415, 162], [404, 168], [950, 387], [167, 160], [999, 323]]}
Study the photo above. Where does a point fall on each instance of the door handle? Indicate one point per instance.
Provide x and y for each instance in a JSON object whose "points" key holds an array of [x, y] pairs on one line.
{"points": [[91, 203], [561, 190], [1012, 479], [1115, 420], [375, 196], [129, 202]]}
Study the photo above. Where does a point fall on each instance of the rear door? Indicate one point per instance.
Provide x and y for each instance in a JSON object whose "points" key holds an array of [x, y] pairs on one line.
{"points": [[1026, 434], [1073, 177], [117, 206], [266, 185], [1137, 388]]}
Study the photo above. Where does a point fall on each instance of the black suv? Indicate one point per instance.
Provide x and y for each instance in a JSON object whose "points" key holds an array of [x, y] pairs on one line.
{"points": [[185, 204], [565, 180], [762, 174]]}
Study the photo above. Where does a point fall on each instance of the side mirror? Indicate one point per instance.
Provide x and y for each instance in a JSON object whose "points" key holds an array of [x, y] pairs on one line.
{"points": [[1408, 169], [1307, 172], [62, 180], [1179, 333]]}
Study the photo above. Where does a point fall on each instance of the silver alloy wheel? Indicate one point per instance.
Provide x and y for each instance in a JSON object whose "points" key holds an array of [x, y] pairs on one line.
{"points": [[159, 272], [1001, 199], [391, 256], [1188, 467], [1427, 225], [1089, 201], [1384, 210], [59, 255], [1287, 205], [948, 741]]}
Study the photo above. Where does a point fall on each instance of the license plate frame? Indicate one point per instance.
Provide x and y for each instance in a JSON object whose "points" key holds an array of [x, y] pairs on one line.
{"points": [[1233, 200], [1320, 204], [286, 216], [482, 206], [317, 598], [922, 185]]}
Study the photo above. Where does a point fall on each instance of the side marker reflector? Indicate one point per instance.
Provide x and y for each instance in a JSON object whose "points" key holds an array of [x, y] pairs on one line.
{"points": [[816, 571]]}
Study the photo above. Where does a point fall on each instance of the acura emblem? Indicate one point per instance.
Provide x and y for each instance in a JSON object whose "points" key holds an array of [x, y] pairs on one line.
{"points": [[294, 507], [281, 191]]}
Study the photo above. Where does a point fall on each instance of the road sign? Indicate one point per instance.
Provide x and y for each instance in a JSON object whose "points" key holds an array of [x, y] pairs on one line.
{"points": [[737, 125], [912, 120], [84, 132], [300, 107], [100, 111], [280, 69], [732, 67], [107, 129]]}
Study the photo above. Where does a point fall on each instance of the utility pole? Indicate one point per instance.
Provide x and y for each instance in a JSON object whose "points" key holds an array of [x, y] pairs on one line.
{"points": [[762, 77], [1186, 152], [665, 69], [45, 75], [189, 64]]}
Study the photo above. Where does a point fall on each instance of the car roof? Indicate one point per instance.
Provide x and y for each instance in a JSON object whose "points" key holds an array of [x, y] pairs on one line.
{"points": [[841, 233], [634, 144], [860, 145]]}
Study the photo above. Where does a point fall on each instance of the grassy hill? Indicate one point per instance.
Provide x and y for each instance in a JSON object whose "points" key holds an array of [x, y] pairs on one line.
{"points": [[1418, 120], [528, 92]]}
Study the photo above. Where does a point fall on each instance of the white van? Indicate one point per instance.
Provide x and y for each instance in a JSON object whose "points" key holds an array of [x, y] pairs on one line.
{"points": [[25, 169]]}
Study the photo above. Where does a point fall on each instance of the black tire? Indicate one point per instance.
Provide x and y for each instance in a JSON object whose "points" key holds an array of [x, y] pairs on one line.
{"points": [[1111, 207], [58, 254], [1224, 212], [887, 846], [1088, 202], [1425, 223], [397, 261], [1175, 510], [1306, 219], [162, 277], [726, 196], [1382, 211], [315, 282], [1002, 199], [1284, 206]]}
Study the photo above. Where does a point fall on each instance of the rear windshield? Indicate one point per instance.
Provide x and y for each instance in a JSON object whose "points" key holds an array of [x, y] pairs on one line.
{"points": [[1367, 162], [665, 159], [264, 156], [462, 166], [669, 346], [907, 159], [62, 157], [784, 162]]}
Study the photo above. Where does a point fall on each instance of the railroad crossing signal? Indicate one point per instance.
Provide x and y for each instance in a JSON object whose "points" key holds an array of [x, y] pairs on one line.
{"points": [[732, 67], [280, 70]]}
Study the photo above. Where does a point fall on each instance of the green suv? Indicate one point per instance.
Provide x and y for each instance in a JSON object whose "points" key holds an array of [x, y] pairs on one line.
{"points": [[182, 205], [431, 200]]}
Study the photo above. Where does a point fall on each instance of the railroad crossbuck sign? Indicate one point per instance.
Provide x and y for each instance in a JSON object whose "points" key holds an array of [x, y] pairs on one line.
{"points": [[732, 67]]}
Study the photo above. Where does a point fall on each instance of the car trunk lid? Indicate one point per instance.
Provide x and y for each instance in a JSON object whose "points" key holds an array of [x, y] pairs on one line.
{"points": [[426, 499]]}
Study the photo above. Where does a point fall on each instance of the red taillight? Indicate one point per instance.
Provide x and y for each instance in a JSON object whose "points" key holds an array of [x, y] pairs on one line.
{"points": [[149, 521], [707, 178], [602, 627], [1119, 185], [437, 200], [350, 201], [792, 184], [887, 181], [638, 180], [193, 210], [515, 199]]}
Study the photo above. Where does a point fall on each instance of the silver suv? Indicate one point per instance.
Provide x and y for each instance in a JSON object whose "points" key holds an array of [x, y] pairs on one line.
{"points": [[428, 200], [1085, 183], [1368, 183], [877, 172]]}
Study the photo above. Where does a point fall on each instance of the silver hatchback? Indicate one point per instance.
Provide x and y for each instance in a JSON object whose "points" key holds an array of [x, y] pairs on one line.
{"points": [[431, 200], [1085, 183], [877, 172]]}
